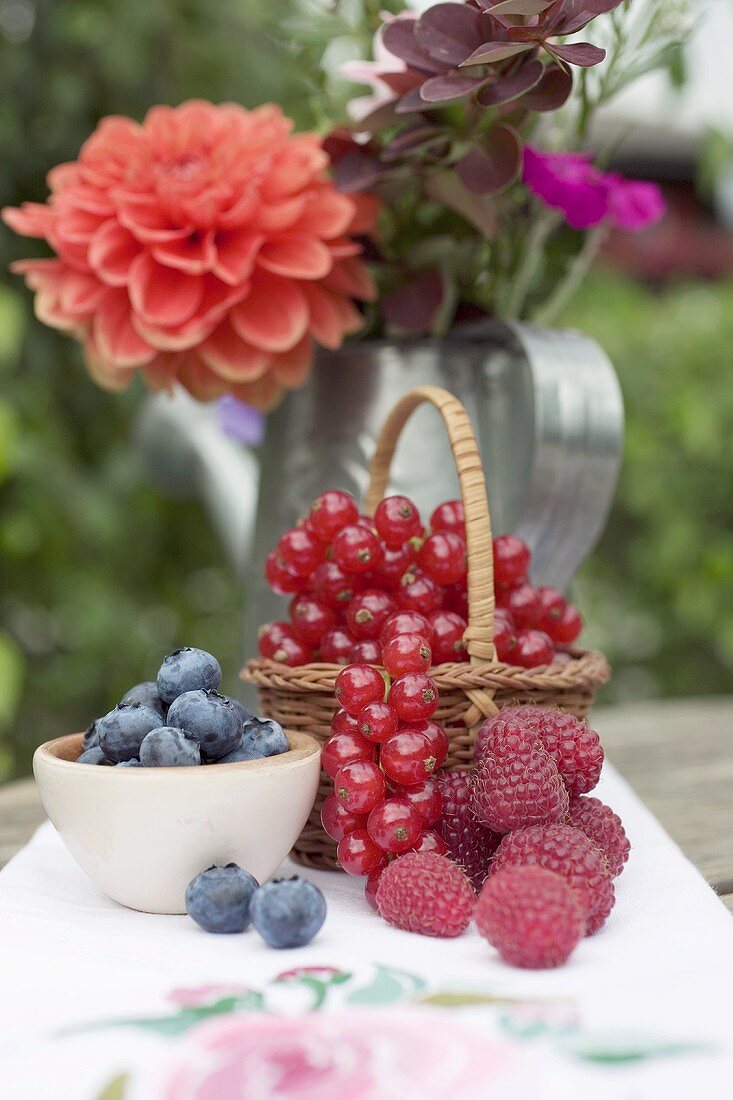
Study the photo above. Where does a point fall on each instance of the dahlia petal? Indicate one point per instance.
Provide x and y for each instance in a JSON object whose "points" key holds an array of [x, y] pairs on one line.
{"points": [[344, 247], [201, 382], [105, 373], [32, 219], [241, 211], [292, 368], [365, 214], [216, 302], [332, 317], [111, 252], [274, 217], [74, 254], [236, 252], [63, 176], [351, 278], [295, 165], [194, 255], [230, 357], [327, 214], [80, 293], [161, 295], [93, 201], [297, 257], [75, 226], [202, 209], [38, 273], [264, 394], [114, 335], [274, 315], [145, 219], [161, 372]]}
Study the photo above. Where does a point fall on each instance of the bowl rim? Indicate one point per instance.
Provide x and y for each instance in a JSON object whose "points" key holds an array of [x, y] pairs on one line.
{"points": [[303, 747]]}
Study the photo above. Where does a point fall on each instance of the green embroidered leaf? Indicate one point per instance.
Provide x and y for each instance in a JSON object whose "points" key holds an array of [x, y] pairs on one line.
{"points": [[456, 999], [388, 985], [184, 1019], [115, 1090], [623, 1048]]}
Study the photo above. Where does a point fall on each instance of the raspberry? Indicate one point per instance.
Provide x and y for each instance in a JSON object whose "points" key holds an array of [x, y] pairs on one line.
{"points": [[575, 748], [603, 827], [517, 783], [531, 916], [570, 853], [469, 843], [426, 893]]}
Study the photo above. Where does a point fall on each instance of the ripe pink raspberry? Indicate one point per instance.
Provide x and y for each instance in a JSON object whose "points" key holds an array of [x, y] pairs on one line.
{"points": [[532, 916], [575, 748], [604, 828], [517, 783], [468, 842], [570, 853], [426, 893]]}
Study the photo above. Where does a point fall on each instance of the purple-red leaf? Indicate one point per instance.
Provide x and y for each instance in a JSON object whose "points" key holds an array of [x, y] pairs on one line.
{"points": [[511, 87], [518, 7], [496, 51], [413, 306], [399, 38], [490, 167], [356, 171], [447, 86], [583, 54], [449, 32], [412, 137], [410, 102], [551, 92]]}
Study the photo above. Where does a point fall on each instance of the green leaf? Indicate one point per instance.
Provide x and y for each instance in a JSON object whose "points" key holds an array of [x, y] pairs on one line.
{"points": [[11, 679], [115, 1090], [388, 986], [620, 1048]]}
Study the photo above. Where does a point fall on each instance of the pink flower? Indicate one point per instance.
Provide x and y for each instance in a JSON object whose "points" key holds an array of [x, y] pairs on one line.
{"points": [[206, 246], [586, 195], [331, 1057]]}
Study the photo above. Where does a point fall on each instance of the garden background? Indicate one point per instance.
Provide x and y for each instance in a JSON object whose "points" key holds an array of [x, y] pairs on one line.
{"points": [[101, 574]]}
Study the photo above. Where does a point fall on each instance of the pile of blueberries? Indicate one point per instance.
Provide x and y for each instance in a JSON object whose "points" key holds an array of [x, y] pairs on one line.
{"points": [[181, 719]]}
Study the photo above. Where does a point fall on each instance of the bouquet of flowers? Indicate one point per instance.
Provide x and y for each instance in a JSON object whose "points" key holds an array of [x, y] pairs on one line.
{"points": [[214, 247]]}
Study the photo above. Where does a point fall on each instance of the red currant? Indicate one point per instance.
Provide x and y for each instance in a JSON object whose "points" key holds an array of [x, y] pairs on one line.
{"points": [[330, 512], [372, 882], [301, 551], [377, 722], [426, 799], [406, 622], [337, 821], [336, 646], [407, 758], [455, 598], [311, 619], [368, 612], [394, 825], [567, 628], [533, 648], [449, 517], [358, 854], [360, 786], [291, 651], [393, 566], [270, 636], [505, 635], [553, 607], [448, 631], [366, 653], [437, 739], [414, 697], [357, 686], [280, 577], [397, 520], [406, 653], [343, 722], [346, 748], [430, 842], [418, 592], [356, 549], [523, 602], [332, 585], [511, 560], [443, 557]]}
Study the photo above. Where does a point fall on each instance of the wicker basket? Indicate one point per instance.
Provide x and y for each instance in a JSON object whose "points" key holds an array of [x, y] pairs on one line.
{"points": [[302, 698]]}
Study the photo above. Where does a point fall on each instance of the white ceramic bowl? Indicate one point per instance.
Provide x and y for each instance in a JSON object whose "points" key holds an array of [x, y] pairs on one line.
{"points": [[142, 834]]}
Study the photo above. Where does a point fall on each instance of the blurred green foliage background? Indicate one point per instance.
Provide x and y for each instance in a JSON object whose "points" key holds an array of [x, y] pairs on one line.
{"points": [[101, 574]]}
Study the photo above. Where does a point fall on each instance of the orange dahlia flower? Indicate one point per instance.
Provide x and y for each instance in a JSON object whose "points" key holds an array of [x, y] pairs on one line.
{"points": [[206, 246]]}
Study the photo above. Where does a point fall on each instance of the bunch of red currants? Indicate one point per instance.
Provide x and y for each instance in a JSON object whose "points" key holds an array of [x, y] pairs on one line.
{"points": [[348, 574], [384, 748]]}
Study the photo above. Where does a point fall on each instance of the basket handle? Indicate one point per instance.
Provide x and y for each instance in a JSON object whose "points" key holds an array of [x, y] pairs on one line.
{"points": [[479, 634]]}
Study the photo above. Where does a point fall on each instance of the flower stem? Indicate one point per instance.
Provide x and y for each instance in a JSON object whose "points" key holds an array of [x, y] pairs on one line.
{"points": [[574, 276], [544, 224]]}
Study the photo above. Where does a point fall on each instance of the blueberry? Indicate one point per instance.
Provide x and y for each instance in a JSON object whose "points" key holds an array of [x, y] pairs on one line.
{"points": [[209, 717], [147, 694], [122, 731], [288, 912], [134, 763], [94, 755], [244, 713], [219, 899], [187, 670], [91, 737], [265, 736], [242, 751], [167, 747]]}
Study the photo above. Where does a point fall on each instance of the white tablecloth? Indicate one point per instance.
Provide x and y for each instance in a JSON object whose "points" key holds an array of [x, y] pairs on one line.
{"points": [[95, 997]]}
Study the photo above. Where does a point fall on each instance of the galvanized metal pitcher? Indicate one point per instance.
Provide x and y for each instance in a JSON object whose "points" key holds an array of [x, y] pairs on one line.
{"points": [[547, 412]]}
